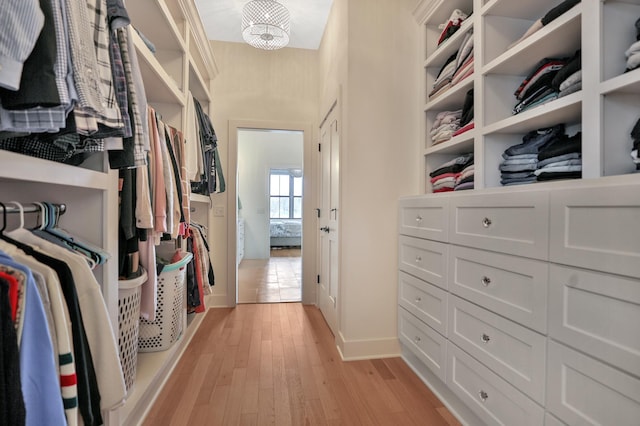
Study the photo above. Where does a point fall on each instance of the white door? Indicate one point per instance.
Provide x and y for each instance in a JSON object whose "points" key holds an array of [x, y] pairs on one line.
{"points": [[328, 220]]}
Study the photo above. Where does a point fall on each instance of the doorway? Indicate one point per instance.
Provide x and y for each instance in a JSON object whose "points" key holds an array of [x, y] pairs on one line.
{"points": [[270, 194]]}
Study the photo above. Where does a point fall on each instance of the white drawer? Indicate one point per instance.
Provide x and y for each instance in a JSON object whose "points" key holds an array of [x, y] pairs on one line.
{"points": [[596, 313], [581, 390], [513, 223], [597, 228], [425, 217], [494, 400], [511, 286], [514, 352], [549, 420], [424, 259], [427, 302], [427, 344]]}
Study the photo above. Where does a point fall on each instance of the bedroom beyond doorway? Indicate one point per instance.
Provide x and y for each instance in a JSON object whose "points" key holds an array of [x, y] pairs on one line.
{"points": [[270, 199]]}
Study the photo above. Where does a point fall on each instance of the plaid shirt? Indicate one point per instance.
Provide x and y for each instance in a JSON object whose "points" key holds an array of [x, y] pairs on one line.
{"points": [[21, 23], [46, 119]]}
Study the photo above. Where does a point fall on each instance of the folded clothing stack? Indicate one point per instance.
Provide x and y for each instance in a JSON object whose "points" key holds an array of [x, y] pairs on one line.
{"points": [[537, 88], [635, 134], [465, 179], [450, 27], [633, 52], [569, 78], [521, 161], [466, 120], [561, 158], [464, 60], [456, 68], [550, 16], [445, 177], [446, 123]]}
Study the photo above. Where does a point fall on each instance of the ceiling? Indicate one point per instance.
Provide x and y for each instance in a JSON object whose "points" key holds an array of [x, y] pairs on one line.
{"points": [[222, 20]]}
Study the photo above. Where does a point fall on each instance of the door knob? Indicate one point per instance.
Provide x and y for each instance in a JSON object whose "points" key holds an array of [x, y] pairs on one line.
{"points": [[325, 229]]}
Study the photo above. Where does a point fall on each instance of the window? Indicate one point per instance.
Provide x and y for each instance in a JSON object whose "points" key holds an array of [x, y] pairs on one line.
{"points": [[285, 194]]}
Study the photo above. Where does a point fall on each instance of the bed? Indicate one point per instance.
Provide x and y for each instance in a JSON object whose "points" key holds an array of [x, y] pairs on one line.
{"points": [[285, 232]]}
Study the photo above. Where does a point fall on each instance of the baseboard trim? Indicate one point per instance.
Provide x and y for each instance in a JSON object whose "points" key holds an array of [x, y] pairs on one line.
{"points": [[216, 301], [354, 350]]}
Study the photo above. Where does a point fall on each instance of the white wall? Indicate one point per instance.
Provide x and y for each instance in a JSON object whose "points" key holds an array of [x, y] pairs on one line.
{"points": [[378, 79], [260, 88], [259, 151]]}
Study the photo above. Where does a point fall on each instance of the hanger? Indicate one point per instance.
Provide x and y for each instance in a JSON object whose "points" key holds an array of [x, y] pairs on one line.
{"points": [[22, 246], [20, 210]]}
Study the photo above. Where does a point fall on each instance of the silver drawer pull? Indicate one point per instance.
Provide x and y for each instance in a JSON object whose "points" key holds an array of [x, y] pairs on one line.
{"points": [[486, 222], [417, 339], [418, 299], [418, 259], [418, 218], [483, 395], [485, 338], [486, 281]]}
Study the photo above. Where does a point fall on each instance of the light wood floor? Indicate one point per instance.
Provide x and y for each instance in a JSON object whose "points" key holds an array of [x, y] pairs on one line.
{"points": [[273, 280], [277, 364]]}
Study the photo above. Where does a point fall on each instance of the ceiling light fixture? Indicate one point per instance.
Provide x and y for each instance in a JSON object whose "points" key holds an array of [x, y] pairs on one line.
{"points": [[265, 24]]}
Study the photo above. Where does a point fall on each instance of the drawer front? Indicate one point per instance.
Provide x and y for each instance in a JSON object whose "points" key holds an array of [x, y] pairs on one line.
{"points": [[425, 217], [424, 259], [494, 400], [549, 420], [596, 313], [514, 352], [513, 223], [581, 390], [597, 228], [511, 286], [427, 302], [427, 344]]}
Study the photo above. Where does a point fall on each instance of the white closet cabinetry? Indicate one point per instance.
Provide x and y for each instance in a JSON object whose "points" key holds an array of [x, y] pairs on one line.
{"points": [[183, 63], [605, 110], [531, 321]]}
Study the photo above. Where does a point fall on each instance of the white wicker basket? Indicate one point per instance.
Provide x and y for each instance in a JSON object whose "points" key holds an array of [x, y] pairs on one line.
{"points": [[160, 334], [129, 326]]}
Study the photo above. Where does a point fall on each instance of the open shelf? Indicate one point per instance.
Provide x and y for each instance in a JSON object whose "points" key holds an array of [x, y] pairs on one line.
{"points": [[449, 46], [452, 98], [456, 145]]}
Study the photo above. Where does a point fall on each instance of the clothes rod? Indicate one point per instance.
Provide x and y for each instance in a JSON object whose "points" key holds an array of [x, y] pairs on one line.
{"points": [[31, 208]]}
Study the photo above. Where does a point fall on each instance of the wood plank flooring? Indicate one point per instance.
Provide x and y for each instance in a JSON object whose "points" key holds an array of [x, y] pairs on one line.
{"points": [[277, 364]]}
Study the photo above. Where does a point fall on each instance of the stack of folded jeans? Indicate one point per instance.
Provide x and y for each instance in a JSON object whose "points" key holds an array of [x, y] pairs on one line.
{"points": [[536, 89], [521, 161], [444, 178], [560, 158], [446, 123]]}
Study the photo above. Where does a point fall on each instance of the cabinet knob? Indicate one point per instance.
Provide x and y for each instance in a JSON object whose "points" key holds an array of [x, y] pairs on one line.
{"points": [[418, 218], [483, 395], [418, 299], [485, 338], [486, 281], [486, 222], [417, 339], [418, 259]]}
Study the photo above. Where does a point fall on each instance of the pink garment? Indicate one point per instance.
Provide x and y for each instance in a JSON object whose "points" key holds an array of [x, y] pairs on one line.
{"points": [[159, 195], [466, 128], [149, 294], [439, 179]]}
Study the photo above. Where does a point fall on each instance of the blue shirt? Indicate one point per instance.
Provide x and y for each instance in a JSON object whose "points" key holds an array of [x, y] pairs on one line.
{"points": [[38, 373]]}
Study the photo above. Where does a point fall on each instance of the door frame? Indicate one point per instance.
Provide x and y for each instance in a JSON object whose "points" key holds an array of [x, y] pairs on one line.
{"points": [[308, 205]]}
